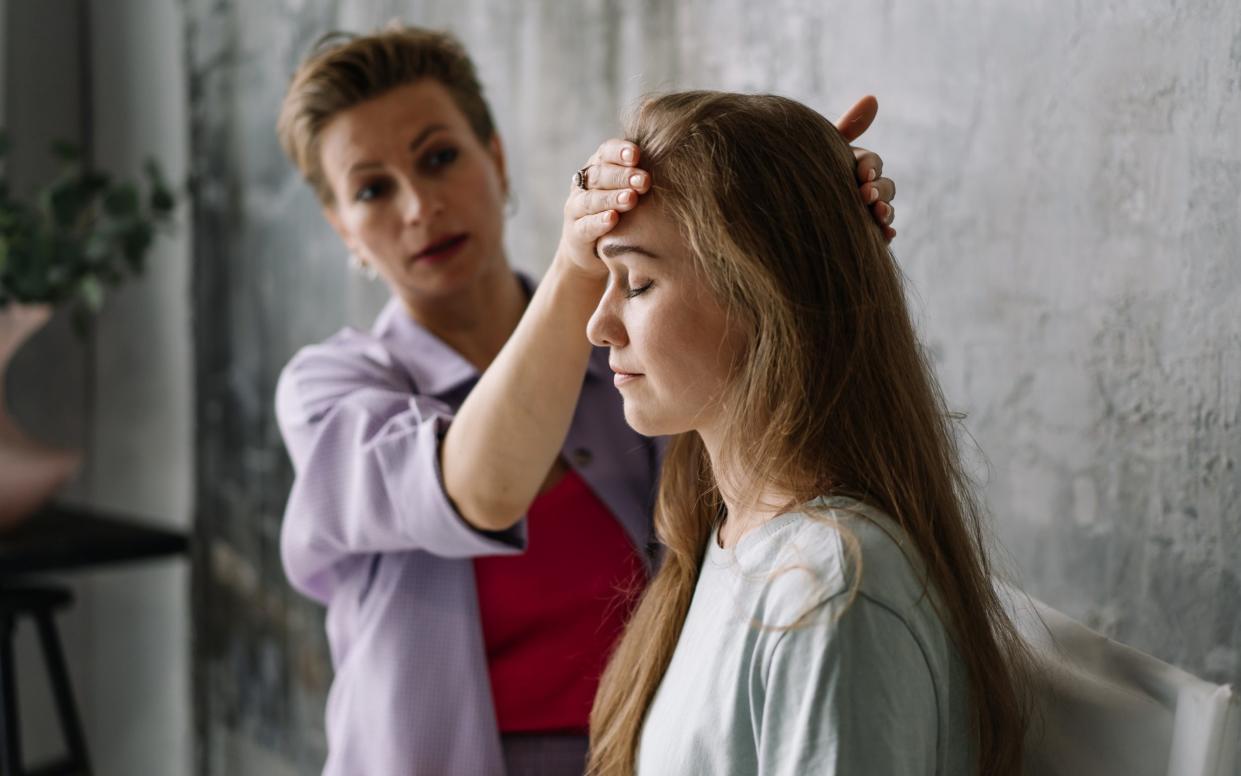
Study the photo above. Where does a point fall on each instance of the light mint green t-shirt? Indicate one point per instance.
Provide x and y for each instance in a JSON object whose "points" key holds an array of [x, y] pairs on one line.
{"points": [[876, 691]]}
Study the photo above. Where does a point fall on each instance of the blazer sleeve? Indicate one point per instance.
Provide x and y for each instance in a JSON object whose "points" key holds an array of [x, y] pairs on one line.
{"points": [[365, 452]]}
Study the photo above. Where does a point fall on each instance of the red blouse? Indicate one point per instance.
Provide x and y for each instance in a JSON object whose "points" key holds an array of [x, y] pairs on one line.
{"points": [[552, 614]]}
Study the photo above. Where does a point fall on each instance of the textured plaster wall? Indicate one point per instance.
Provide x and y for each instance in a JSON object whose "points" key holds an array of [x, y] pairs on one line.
{"points": [[1070, 219]]}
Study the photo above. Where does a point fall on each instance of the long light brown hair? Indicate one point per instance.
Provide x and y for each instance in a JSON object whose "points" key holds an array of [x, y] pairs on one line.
{"points": [[833, 394]]}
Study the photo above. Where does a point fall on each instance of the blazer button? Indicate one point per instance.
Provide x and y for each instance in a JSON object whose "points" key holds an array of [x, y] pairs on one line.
{"points": [[582, 457]]}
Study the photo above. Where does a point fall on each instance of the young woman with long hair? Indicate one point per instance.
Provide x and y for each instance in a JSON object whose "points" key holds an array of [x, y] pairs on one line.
{"points": [[825, 604]]}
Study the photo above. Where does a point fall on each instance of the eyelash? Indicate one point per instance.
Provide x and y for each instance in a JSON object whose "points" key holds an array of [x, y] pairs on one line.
{"points": [[631, 293]]}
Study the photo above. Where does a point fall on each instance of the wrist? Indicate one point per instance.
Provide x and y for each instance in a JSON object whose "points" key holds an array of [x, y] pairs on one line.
{"points": [[570, 278]]}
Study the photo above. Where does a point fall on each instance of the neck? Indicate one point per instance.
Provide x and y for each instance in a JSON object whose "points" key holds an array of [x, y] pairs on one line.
{"points": [[478, 320], [749, 503]]}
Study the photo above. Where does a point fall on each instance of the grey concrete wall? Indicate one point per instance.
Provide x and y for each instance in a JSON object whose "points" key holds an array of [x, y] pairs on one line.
{"points": [[1069, 216], [125, 396]]}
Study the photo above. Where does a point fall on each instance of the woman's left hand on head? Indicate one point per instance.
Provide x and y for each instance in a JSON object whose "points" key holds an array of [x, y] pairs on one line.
{"points": [[877, 191], [609, 184]]}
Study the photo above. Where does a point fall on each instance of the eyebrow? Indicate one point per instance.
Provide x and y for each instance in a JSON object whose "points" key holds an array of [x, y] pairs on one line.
{"points": [[423, 135], [614, 249], [413, 147]]}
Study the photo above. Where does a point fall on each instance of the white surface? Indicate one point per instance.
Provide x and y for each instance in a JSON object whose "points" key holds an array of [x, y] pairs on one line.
{"points": [[1109, 710]]}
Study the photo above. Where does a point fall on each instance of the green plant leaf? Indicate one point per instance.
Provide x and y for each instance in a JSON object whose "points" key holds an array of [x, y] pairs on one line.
{"points": [[90, 290], [121, 201], [135, 242], [65, 201], [78, 235], [161, 199], [96, 248]]}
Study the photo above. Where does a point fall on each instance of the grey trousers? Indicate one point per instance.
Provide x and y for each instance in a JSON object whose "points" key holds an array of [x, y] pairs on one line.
{"points": [[544, 755]]}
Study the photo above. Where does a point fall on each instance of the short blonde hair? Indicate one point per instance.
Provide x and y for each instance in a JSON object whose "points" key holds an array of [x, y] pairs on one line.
{"points": [[344, 70]]}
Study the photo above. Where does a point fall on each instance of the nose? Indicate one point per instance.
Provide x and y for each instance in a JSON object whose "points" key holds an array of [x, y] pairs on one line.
{"points": [[419, 203], [605, 329]]}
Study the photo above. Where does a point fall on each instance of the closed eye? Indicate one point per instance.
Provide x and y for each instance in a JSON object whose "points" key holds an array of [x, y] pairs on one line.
{"points": [[631, 293]]}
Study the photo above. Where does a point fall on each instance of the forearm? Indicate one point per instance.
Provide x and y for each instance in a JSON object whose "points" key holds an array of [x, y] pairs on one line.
{"points": [[508, 432]]}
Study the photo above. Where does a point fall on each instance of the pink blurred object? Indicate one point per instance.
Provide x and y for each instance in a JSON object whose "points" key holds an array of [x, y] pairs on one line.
{"points": [[30, 471]]}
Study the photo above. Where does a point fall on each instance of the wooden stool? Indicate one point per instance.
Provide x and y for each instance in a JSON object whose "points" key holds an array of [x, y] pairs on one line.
{"points": [[39, 603]]}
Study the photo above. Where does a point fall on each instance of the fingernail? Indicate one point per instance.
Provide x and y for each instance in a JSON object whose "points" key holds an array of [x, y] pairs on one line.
{"points": [[626, 197], [870, 174], [873, 195], [636, 180], [627, 154]]}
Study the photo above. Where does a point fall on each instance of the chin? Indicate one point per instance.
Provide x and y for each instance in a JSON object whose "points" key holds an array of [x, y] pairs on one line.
{"points": [[440, 282], [649, 423]]}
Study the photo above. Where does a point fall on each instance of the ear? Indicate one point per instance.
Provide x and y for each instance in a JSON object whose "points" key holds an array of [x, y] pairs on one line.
{"points": [[333, 218], [496, 148]]}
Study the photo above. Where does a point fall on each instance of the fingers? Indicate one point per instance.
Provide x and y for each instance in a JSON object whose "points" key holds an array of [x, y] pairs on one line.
{"points": [[583, 203], [869, 165], [619, 152], [613, 182], [858, 119], [884, 214], [592, 227], [614, 166], [882, 190], [609, 185], [588, 229], [604, 175], [876, 191]]}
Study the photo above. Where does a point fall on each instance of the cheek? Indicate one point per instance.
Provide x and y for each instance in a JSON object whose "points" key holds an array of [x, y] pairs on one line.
{"points": [[478, 184], [371, 224], [687, 344]]}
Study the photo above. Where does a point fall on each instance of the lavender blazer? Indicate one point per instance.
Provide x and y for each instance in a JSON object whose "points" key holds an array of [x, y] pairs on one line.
{"points": [[369, 532]]}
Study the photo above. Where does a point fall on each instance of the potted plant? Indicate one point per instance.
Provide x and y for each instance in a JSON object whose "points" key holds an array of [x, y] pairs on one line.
{"points": [[80, 234]]}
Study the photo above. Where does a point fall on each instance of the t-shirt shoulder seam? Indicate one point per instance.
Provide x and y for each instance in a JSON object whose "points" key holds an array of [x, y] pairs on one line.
{"points": [[863, 597]]}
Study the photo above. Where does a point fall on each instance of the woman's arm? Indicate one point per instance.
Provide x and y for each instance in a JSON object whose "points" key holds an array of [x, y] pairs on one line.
{"points": [[508, 432], [365, 450]]}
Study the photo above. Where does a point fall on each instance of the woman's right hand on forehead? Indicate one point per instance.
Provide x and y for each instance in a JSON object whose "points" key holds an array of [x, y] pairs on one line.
{"points": [[613, 182]]}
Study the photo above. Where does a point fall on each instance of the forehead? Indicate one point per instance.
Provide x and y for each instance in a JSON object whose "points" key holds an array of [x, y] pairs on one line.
{"points": [[648, 225], [390, 120]]}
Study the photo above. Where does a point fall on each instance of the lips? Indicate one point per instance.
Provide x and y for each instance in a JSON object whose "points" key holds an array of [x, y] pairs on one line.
{"points": [[443, 249], [622, 377]]}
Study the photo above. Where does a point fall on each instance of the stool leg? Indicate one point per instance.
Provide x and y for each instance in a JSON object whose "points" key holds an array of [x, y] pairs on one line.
{"points": [[66, 709], [10, 726]]}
